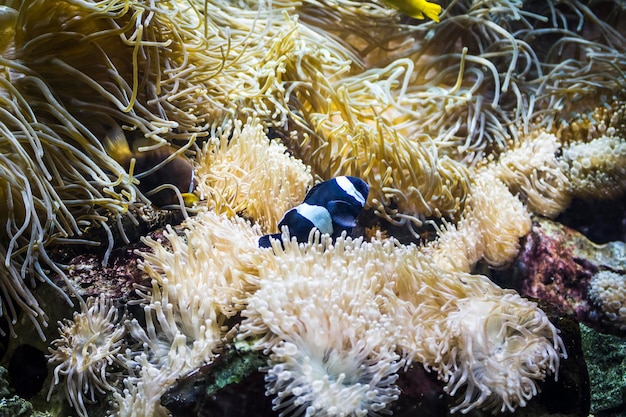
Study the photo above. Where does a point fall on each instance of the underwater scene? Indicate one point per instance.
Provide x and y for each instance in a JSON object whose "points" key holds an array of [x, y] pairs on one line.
{"points": [[312, 208]]}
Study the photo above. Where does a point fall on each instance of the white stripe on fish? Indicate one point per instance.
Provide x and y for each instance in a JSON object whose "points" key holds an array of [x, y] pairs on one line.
{"points": [[349, 188]]}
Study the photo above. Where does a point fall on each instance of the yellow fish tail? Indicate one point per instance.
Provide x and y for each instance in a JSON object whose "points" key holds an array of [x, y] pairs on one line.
{"points": [[190, 199], [417, 8], [431, 10], [116, 145]]}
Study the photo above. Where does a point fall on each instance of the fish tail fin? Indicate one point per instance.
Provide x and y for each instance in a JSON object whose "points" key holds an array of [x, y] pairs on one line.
{"points": [[116, 145], [190, 199], [431, 10], [265, 240]]}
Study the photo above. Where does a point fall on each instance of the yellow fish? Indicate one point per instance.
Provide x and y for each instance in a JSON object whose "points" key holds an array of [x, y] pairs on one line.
{"points": [[417, 8], [178, 172]]}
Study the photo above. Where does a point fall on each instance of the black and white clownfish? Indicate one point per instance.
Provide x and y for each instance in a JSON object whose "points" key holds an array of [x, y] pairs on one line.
{"points": [[331, 207], [178, 171]]}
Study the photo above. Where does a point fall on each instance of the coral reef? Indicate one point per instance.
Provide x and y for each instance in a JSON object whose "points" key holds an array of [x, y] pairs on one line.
{"points": [[466, 127]]}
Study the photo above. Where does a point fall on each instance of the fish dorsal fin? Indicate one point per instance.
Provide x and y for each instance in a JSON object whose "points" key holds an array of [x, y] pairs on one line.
{"points": [[190, 199], [313, 195], [348, 186], [349, 189]]}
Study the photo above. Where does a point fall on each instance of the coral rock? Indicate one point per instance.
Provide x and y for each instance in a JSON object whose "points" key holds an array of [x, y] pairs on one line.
{"points": [[13, 406], [230, 386], [606, 358], [27, 370], [569, 394], [89, 275], [422, 394], [557, 264]]}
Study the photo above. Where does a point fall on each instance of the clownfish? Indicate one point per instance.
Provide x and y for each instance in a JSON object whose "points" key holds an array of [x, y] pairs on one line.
{"points": [[179, 171], [331, 207], [417, 8]]}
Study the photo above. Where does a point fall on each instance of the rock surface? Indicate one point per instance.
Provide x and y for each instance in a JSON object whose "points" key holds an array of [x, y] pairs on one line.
{"points": [[556, 264]]}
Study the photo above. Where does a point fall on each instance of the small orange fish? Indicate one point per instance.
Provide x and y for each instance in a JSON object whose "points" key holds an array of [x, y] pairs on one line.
{"points": [[417, 8], [178, 172]]}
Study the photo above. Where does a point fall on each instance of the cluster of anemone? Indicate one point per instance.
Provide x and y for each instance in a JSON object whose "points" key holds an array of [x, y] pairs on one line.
{"points": [[490, 346], [197, 285], [339, 362], [44, 200], [506, 363], [59, 69], [607, 290], [337, 321], [449, 96], [460, 122]]}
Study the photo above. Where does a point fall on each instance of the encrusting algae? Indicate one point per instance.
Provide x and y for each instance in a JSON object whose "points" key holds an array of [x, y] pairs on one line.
{"points": [[465, 124]]}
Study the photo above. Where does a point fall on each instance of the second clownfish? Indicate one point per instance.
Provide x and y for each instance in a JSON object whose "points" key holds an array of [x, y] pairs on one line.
{"points": [[178, 171]]}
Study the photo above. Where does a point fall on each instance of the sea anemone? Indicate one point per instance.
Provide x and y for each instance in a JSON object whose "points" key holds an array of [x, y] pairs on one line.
{"points": [[490, 227], [87, 350], [492, 362], [242, 170], [451, 95], [213, 265], [44, 201], [318, 315], [200, 278], [596, 168], [309, 379], [371, 31], [488, 344], [532, 169], [61, 66], [352, 126], [607, 290], [147, 382], [499, 233]]}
